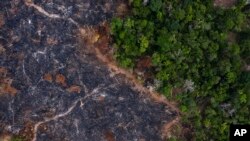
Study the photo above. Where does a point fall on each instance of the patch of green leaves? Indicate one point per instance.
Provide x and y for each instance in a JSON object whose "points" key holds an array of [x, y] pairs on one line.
{"points": [[16, 138]]}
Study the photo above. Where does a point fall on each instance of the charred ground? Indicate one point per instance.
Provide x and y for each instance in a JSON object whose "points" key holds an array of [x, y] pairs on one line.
{"points": [[53, 88]]}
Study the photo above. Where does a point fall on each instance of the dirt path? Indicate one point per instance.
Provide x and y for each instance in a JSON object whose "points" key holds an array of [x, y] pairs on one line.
{"points": [[224, 3]]}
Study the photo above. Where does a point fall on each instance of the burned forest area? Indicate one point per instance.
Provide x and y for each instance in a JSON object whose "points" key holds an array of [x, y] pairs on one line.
{"points": [[56, 84]]}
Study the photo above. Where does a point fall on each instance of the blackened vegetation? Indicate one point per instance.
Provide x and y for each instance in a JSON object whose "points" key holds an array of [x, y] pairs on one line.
{"points": [[66, 94]]}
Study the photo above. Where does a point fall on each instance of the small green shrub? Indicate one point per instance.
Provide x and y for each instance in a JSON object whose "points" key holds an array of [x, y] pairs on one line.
{"points": [[16, 138]]}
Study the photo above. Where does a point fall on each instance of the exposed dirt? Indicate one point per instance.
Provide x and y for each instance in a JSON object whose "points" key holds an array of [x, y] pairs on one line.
{"points": [[2, 20], [6, 83], [5, 137], [224, 3]]}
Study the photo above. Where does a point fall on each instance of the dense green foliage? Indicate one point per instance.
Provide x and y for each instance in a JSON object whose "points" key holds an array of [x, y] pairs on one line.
{"points": [[16, 138], [188, 41]]}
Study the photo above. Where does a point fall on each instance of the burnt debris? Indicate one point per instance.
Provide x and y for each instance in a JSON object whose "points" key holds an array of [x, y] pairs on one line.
{"points": [[51, 91]]}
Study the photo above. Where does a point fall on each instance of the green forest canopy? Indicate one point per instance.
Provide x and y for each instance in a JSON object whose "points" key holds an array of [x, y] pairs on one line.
{"points": [[188, 42]]}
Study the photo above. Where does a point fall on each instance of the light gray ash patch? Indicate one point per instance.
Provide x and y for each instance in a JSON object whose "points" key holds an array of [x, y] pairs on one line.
{"points": [[87, 12]]}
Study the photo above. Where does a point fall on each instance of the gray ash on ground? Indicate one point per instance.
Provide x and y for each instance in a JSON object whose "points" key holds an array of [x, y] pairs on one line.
{"points": [[62, 94]]}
